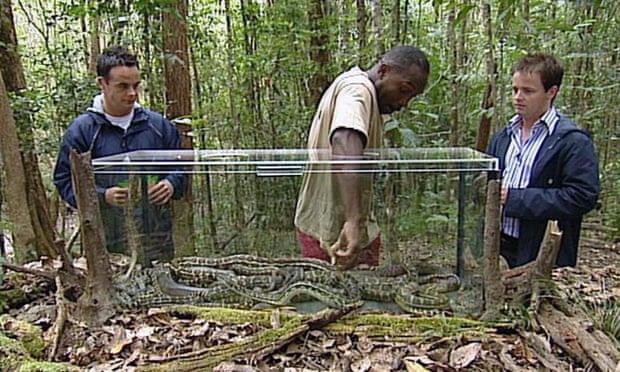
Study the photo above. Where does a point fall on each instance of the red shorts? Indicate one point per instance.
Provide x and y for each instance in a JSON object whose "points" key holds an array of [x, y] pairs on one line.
{"points": [[311, 248]]}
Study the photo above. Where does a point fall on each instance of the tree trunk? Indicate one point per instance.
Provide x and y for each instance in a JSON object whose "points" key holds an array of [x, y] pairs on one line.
{"points": [[9, 58], [488, 102], [377, 23], [493, 290], [96, 303], [238, 215], [362, 20], [454, 85], [23, 234], [178, 104], [34, 232], [395, 21], [319, 49]]}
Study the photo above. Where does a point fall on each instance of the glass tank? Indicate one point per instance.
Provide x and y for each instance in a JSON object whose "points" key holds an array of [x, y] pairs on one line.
{"points": [[428, 204]]}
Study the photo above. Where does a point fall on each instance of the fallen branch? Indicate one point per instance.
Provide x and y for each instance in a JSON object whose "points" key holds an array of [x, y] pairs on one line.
{"points": [[59, 323], [21, 269], [256, 347], [574, 338]]}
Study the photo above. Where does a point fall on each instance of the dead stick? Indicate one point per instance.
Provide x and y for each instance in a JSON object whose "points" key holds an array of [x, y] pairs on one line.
{"points": [[27, 270], [72, 238], [61, 318], [493, 288]]}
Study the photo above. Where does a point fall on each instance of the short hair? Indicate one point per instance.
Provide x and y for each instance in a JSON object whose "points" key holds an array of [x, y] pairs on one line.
{"points": [[113, 56], [549, 68], [404, 56]]}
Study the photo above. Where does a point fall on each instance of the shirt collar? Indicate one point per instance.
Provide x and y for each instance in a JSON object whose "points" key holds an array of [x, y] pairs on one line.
{"points": [[549, 119]]}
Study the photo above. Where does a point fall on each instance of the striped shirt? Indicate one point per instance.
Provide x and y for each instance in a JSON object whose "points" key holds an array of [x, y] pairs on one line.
{"points": [[520, 158]]}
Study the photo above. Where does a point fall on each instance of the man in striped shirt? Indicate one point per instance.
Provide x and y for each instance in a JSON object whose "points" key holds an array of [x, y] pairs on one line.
{"points": [[549, 166]]}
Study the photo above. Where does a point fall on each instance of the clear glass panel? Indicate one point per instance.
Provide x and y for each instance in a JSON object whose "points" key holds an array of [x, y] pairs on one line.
{"points": [[295, 162], [429, 205]]}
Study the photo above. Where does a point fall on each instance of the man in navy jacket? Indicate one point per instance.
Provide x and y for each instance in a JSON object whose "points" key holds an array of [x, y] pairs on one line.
{"points": [[116, 123], [549, 166]]}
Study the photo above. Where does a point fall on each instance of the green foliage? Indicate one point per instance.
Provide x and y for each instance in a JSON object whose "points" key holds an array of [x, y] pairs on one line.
{"points": [[252, 68]]}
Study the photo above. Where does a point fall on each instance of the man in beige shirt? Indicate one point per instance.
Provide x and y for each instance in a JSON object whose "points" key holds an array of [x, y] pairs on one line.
{"points": [[334, 219]]}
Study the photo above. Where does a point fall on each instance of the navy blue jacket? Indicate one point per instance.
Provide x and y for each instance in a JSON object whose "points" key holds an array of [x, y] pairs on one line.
{"points": [[91, 131], [564, 186]]}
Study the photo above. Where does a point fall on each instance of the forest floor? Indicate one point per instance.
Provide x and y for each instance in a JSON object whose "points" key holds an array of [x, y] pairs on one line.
{"points": [[181, 339]]}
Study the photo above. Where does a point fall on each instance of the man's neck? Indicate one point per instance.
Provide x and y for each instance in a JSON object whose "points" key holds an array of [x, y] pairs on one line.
{"points": [[113, 113]]}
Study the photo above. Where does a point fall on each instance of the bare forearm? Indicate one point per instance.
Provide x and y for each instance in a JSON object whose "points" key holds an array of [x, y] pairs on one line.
{"points": [[348, 144]]}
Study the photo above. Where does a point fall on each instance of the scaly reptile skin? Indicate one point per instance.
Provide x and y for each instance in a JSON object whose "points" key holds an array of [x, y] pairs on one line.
{"points": [[245, 280]]}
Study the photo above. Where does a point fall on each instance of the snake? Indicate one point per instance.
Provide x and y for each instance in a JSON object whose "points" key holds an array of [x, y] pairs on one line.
{"points": [[248, 280]]}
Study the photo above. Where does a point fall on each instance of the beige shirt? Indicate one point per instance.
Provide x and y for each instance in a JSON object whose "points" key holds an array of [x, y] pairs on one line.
{"points": [[350, 102]]}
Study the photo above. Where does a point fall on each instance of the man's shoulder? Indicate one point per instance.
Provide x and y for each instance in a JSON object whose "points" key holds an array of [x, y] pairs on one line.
{"points": [[156, 119], [86, 118], [353, 76], [567, 128]]}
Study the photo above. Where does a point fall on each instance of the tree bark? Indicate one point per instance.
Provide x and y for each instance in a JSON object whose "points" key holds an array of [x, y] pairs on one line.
{"points": [[179, 104], [454, 86], [319, 49], [488, 102], [377, 23], [96, 303], [23, 233], [395, 21], [493, 290], [34, 231], [362, 20]]}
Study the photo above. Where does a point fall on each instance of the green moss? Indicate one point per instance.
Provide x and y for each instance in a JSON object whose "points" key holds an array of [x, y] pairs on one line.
{"points": [[213, 356], [233, 316], [12, 298], [30, 336], [34, 366], [15, 356], [12, 354]]}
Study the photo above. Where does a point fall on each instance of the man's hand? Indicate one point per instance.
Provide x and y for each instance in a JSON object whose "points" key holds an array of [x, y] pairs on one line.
{"points": [[161, 192], [504, 195], [116, 196], [345, 252]]}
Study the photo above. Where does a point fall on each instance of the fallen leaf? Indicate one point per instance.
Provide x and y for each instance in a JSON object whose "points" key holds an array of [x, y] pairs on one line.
{"points": [[414, 366], [464, 355], [119, 345], [362, 365]]}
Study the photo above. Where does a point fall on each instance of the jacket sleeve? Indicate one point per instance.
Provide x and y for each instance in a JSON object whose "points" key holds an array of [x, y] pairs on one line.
{"points": [[178, 178], [578, 189]]}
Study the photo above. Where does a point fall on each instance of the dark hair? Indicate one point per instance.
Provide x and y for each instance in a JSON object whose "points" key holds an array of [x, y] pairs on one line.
{"points": [[549, 68], [404, 56], [115, 56]]}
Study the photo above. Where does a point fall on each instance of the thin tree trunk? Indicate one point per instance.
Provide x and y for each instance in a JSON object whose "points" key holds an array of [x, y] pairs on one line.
{"points": [[94, 46], [493, 290], [319, 49], [178, 104], [488, 102], [454, 86], [238, 213], [395, 21], [23, 233], [377, 22], [147, 69], [362, 21], [34, 232]]}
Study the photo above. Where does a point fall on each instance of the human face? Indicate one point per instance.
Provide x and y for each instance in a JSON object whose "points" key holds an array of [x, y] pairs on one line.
{"points": [[120, 90], [529, 97], [397, 86]]}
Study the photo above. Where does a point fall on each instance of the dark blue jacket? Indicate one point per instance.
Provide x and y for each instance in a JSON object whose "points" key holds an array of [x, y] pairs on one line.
{"points": [[564, 186], [149, 130]]}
